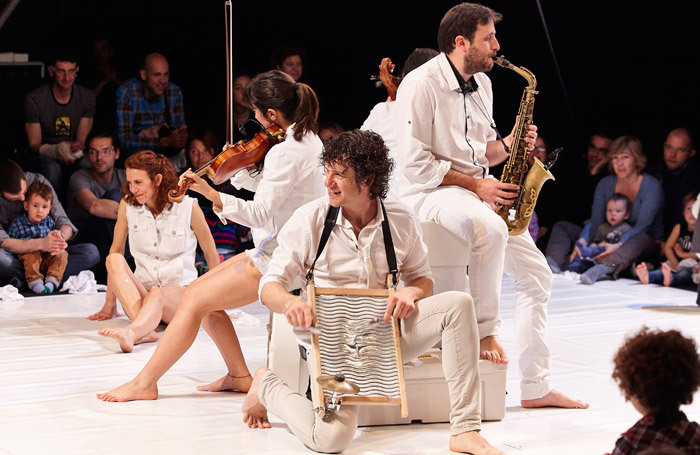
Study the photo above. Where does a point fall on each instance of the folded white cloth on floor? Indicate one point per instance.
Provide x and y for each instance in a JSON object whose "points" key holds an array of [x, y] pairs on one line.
{"points": [[242, 319], [10, 292], [83, 283]]}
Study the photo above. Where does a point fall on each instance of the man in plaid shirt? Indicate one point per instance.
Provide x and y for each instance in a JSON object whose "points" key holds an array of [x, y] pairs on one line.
{"points": [[150, 112], [657, 372]]}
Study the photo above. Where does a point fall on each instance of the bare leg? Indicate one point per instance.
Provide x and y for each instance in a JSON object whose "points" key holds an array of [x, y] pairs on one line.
{"points": [[554, 399], [666, 271], [214, 291], [491, 349], [643, 273], [472, 442], [254, 413], [123, 284], [159, 304], [218, 325]]}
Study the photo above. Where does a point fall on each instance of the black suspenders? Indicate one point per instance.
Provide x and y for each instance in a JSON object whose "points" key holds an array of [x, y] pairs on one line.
{"points": [[331, 218]]}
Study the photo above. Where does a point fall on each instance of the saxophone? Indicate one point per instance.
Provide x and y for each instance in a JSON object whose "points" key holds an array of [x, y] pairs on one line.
{"points": [[518, 215]]}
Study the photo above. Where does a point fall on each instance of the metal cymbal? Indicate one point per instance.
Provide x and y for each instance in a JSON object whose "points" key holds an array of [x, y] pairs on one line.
{"points": [[338, 384]]}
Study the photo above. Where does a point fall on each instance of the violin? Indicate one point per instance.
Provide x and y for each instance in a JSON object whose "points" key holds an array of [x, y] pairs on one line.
{"points": [[388, 80], [233, 158]]}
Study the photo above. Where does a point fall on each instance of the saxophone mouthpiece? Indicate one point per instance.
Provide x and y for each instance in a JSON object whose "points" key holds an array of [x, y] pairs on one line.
{"points": [[501, 61]]}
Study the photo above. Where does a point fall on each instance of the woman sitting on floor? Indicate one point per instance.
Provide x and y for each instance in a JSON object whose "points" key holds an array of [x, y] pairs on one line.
{"points": [[163, 237]]}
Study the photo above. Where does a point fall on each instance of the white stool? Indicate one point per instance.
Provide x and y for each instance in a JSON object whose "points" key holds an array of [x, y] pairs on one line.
{"points": [[426, 389], [448, 256]]}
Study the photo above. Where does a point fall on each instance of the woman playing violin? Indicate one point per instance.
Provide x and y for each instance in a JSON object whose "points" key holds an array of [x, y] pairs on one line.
{"points": [[290, 178]]}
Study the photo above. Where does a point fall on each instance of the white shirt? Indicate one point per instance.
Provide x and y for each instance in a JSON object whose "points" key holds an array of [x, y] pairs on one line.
{"points": [[439, 128], [291, 177], [381, 120], [163, 247], [347, 261]]}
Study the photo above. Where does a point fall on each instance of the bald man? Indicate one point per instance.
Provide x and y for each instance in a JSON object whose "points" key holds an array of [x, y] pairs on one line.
{"points": [[150, 112]]}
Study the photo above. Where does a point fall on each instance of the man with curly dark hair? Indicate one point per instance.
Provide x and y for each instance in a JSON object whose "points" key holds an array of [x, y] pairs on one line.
{"points": [[658, 371], [357, 169]]}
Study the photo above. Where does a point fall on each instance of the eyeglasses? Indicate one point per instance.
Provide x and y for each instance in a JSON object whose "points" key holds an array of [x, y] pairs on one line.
{"points": [[541, 149], [103, 152]]}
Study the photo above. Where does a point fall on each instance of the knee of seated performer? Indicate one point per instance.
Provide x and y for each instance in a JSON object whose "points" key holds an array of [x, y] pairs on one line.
{"points": [[114, 261], [334, 436], [490, 230]]}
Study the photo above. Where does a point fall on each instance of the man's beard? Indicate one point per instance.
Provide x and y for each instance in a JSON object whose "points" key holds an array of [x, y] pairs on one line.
{"points": [[476, 62]]}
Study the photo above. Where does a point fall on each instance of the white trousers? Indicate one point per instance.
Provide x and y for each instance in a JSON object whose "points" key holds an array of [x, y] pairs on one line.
{"points": [[448, 317], [493, 251]]}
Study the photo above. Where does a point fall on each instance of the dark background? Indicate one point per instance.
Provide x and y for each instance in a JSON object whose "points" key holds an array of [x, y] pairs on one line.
{"points": [[626, 67]]}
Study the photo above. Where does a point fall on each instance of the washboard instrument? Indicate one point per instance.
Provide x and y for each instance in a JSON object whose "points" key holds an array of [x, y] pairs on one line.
{"points": [[356, 357]]}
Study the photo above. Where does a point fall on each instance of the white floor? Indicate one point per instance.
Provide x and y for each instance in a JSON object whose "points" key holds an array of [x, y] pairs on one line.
{"points": [[52, 363]]}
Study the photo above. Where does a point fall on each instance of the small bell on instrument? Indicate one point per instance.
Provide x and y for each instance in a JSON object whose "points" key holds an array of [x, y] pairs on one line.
{"points": [[338, 384]]}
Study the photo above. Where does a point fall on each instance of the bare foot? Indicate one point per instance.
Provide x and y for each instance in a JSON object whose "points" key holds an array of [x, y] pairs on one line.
{"points": [[130, 391], [492, 349], [666, 270], [127, 337], [228, 382], [555, 399], [643, 273], [472, 442], [254, 413]]}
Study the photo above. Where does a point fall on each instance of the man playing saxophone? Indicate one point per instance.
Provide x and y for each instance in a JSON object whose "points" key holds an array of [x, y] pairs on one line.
{"points": [[447, 140]]}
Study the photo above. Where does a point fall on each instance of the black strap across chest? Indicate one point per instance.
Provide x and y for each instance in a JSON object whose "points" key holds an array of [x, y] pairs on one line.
{"points": [[331, 218]]}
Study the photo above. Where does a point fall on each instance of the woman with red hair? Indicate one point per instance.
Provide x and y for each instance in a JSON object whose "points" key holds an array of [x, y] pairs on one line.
{"points": [[163, 237]]}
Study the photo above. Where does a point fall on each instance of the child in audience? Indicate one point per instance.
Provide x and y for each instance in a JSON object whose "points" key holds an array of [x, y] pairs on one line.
{"points": [[658, 371], [617, 211], [681, 264], [36, 223]]}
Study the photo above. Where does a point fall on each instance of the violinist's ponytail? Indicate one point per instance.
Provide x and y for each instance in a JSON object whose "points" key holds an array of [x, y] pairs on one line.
{"points": [[296, 101], [306, 114]]}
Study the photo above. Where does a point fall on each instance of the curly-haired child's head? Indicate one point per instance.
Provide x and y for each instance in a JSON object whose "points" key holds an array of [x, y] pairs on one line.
{"points": [[660, 369]]}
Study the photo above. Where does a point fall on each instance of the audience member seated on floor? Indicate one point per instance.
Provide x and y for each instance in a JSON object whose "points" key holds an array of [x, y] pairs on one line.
{"points": [[627, 161], [245, 127], [230, 238], [43, 269], [548, 207], [658, 371], [288, 59], [329, 130], [94, 194], [163, 237], [681, 263], [576, 179], [679, 175], [58, 117], [151, 112], [102, 77], [13, 187], [611, 232]]}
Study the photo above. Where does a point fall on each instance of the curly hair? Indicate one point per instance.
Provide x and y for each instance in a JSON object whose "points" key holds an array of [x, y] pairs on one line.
{"points": [[661, 369], [154, 164], [365, 153]]}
